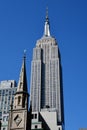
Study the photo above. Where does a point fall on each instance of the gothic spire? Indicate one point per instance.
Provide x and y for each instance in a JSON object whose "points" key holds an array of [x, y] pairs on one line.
{"points": [[22, 84], [47, 25]]}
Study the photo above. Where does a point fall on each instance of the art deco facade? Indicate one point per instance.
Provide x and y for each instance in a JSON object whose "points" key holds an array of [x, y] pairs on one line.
{"points": [[46, 80]]}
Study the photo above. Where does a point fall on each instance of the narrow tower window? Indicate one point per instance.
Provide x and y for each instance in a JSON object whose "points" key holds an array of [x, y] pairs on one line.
{"points": [[24, 97], [19, 100]]}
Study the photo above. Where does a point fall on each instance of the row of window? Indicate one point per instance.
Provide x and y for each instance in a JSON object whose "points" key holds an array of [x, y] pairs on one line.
{"points": [[5, 98], [7, 92], [34, 116]]}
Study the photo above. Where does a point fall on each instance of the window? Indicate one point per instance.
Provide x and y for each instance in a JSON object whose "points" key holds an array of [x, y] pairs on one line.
{"points": [[59, 128], [13, 92], [9, 92], [4, 106], [5, 102], [11, 85], [4, 128], [4, 112], [0, 124], [3, 92], [6, 90], [9, 98], [24, 100], [36, 126], [19, 99], [7, 118], [0, 114], [4, 118], [32, 116], [2, 98], [35, 116]]}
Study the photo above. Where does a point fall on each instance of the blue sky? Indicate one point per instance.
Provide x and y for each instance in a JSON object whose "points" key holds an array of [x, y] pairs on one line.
{"points": [[22, 23]]}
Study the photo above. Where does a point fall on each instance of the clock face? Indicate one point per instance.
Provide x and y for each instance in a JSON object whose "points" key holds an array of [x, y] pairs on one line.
{"points": [[17, 120]]}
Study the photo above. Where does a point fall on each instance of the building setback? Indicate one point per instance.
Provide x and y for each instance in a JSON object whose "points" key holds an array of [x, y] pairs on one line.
{"points": [[46, 83]]}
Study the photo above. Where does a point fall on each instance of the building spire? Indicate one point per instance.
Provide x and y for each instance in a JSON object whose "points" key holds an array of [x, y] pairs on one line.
{"points": [[47, 25], [22, 84], [47, 19]]}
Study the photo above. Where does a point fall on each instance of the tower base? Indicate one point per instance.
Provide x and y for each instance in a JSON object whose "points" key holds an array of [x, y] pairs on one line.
{"points": [[45, 120]]}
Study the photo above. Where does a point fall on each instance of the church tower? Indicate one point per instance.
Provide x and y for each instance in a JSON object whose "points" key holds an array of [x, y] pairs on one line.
{"points": [[18, 117], [46, 83]]}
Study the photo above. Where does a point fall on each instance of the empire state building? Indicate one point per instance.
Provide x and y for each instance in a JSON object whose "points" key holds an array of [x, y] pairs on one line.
{"points": [[46, 83]]}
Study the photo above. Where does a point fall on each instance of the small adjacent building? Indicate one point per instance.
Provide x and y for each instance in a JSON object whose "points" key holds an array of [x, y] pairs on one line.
{"points": [[7, 90]]}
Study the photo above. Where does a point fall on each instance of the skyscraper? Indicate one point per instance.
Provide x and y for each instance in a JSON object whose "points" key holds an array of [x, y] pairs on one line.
{"points": [[46, 83]]}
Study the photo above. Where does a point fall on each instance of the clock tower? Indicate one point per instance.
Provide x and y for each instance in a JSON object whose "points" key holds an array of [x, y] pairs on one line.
{"points": [[19, 114]]}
